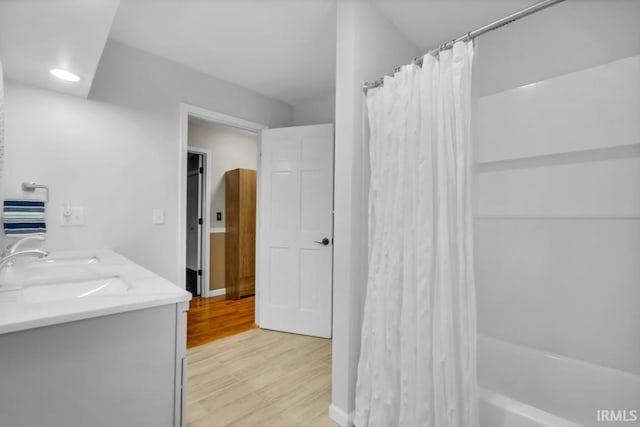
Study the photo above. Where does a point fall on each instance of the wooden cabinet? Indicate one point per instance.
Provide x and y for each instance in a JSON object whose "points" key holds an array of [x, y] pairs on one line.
{"points": [[240, 238]]}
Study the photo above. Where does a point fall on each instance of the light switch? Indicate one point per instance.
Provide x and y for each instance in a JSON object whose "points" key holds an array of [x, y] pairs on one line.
{"points": [[218, 216], [158, 216]]}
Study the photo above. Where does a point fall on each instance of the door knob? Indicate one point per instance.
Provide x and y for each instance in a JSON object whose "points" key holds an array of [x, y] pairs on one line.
{"points": [[324, 241]]}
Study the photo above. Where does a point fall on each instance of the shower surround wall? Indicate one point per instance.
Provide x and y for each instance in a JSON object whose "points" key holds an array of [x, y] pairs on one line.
{"points": [[558, 241]]}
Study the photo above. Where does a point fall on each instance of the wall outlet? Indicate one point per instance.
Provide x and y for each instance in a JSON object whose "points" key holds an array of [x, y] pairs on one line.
{"points": [[72, 216], [158, 216]]}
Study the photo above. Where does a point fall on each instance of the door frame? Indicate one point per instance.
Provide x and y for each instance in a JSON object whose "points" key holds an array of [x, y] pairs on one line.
{"points": [[205, 199], [186, 111]]}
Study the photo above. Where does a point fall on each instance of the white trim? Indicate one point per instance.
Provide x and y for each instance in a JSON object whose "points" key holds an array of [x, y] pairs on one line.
{"points": [[256, 279], [218, 230], [217, 292], [341, 417], [222, 119], [206, 249]]}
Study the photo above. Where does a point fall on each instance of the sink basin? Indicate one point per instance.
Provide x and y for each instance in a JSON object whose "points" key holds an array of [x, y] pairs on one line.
{"points": [[69, 286], [49, 269], [63, 262], [74, 289]]}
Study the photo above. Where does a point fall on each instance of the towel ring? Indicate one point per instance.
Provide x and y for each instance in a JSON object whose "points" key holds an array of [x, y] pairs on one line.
{"points": [[32, 186]]}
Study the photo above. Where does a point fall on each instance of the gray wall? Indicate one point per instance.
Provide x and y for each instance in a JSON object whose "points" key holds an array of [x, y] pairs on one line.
{"points": [[115, 162], [314, 111], [133, 78]]}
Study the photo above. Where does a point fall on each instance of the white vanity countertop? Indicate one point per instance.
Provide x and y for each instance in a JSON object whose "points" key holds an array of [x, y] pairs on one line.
{"points": [[70, 286]]}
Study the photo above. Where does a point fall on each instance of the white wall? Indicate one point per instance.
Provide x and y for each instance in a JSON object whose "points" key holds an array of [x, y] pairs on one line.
{"points": [[230, 149], [558, 230], [317, 110], [117, 154], [368, 46], [133, 78], [112, 161]]}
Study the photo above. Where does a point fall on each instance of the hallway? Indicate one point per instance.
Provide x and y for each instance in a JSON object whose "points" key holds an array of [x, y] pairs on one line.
{"points": [[209, 319]]}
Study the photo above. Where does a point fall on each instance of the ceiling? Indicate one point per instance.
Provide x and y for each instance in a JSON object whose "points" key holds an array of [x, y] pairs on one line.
{"points": [[38, 35], [291, 42], [285, 49]]}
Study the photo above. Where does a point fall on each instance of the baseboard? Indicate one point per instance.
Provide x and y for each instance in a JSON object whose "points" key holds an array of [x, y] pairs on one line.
{"points": [[341, 417], [217, 292]]}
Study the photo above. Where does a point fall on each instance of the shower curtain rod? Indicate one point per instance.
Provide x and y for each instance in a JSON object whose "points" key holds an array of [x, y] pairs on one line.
{"points": [[472, 35]]}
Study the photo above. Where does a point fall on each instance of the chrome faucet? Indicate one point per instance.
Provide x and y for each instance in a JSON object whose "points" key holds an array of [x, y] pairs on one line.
{"points": [[13, 248], [5, 260]]}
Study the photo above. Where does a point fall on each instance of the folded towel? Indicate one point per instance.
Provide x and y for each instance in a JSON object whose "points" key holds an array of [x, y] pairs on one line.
{"points": [[24, 217], [17, 216]]}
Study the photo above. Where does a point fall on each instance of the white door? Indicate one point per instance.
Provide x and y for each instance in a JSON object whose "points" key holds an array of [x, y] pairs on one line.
{"points": [[296, 230]]}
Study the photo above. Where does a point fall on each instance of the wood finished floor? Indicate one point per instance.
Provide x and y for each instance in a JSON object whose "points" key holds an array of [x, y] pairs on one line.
{"points": [[209, 319], [260, 378]]}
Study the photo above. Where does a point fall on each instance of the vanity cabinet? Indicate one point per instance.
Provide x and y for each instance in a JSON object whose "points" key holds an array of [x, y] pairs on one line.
{"points": [[240, 234], [124, 369]]}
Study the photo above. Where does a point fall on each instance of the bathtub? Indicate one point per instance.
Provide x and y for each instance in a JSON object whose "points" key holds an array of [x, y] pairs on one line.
{"points": [[523, 387], [497, 410]]}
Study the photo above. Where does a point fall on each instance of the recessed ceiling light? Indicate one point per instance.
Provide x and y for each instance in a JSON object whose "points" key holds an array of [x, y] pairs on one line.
{"points": [[65, 75]]}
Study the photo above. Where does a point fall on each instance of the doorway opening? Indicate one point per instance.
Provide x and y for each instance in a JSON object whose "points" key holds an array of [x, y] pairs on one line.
{"points": [[215, 372], [224, 301], [196, 186], [290, 256]]}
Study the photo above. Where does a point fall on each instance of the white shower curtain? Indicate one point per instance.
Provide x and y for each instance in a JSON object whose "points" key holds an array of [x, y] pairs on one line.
{"points": [[418, 352]]}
